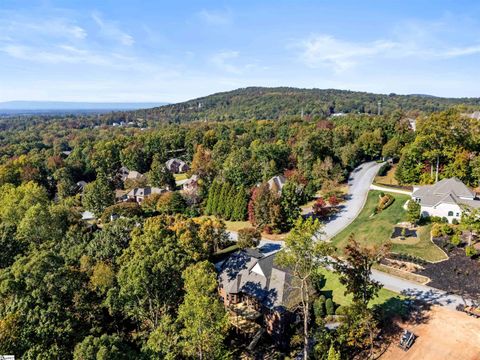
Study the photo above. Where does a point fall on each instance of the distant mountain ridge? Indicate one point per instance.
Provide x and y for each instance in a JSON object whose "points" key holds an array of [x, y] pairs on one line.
{"points": [[72, 105], [274, 103]]}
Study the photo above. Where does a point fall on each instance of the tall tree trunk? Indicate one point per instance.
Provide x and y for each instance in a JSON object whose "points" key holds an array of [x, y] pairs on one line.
{"points": [[305, 305]]}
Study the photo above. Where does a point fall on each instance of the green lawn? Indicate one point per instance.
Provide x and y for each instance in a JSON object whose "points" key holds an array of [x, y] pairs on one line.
{"points": [[336, 290], [377, 229], [179, 177]]}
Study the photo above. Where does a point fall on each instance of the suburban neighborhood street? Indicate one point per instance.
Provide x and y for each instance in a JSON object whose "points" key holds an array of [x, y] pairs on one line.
{"points": [[420, 292], [358, 186], [359, 183]]}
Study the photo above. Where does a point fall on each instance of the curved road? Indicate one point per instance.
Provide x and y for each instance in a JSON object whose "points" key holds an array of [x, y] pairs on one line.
{"points": [[359, 184]]}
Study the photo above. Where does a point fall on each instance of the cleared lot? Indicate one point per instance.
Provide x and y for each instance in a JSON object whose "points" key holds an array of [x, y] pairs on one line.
{"points": [[442, 334]]}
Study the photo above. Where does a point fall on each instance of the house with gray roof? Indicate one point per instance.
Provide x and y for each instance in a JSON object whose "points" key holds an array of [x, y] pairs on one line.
{"points": [[139, 194], [446, 199], [177, 166], [251, 279], [277, 183]]}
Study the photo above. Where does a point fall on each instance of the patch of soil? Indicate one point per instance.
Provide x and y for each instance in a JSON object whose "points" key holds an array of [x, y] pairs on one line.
{"points": [[458, 274], [442, 334]]}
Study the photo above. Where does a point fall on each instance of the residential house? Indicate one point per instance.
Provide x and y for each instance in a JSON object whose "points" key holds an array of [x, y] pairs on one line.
{"points": [[133, 175], [177, 166], [190, 186], [447, 199], [139, 194], [277, 183], [257, 291]]}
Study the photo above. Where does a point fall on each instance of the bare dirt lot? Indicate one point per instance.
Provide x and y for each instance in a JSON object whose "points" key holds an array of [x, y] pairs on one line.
{"points": [[442, 334]]}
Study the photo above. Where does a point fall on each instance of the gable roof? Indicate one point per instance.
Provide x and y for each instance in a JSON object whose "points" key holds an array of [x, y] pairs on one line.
{"points": [[448, 191], [255, 273], [278, 181]]}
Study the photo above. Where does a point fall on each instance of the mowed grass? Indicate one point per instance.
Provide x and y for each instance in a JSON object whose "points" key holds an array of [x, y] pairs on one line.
{"points": [[334, 288], [377, 229], [179, 177]]}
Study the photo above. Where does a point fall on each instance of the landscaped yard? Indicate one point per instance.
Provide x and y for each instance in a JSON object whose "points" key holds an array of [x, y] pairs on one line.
{"points": [[336, 289], [377, 229]]}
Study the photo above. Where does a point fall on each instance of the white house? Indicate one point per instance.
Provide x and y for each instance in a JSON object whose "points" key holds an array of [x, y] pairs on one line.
{"points": [[447, 198]]}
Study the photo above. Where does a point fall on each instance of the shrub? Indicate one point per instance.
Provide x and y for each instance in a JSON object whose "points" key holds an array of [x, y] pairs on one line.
{"points": [[436, 219], [319, 307], [437, 230], [470, 251], [341, 310], [455, 222], [447, 229], [384, 169], [456, 240], [330, 307], [248, 237]]}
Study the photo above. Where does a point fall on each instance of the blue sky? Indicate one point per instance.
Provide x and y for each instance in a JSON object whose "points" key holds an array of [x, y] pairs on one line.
{"points": [[82, 50]]}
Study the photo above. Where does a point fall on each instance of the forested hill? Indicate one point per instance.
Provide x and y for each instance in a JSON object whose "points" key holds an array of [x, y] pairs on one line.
{"points": [[274, 103]]}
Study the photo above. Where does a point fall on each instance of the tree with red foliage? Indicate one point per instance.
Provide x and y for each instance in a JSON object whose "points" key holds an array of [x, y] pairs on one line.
{"points": [[320, 208], [333, 200]]}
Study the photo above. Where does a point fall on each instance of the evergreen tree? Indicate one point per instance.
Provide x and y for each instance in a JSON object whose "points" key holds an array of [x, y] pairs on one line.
{"points": [[230, 203], [159, 175], [211, 194], [216, 199], [240, 205], [222, 200]]}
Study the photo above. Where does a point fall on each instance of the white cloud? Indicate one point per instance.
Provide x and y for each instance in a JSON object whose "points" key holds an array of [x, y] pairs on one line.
{"points": [[223, 60], [326, 50], [32, 28], [215, 17], [112, 30]]}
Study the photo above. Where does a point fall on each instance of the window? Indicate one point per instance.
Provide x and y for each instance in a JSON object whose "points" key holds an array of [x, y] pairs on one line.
{"points": [[458, 214], [450, 213]]}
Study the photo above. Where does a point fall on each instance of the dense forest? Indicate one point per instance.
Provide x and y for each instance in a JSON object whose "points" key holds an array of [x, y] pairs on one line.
{"points": [[139, 285], [276, 103]]}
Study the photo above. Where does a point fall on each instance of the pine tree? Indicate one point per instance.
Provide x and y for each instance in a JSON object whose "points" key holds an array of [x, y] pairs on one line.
{"points": [[230, 203], [216, 199], [211, 194], [223, 199], [240, 205]]}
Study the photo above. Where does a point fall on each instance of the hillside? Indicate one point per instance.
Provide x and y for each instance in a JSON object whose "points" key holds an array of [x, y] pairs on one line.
{"points": [[274, 103]]}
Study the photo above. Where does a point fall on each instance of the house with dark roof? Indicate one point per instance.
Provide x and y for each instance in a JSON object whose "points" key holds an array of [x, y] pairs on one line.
{"points": [[447, 198], [177, 166], [139, 194], [253, 287]]}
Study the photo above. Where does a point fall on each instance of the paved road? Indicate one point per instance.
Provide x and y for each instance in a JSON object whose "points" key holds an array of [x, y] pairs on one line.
{"points": [[418, 291], [358, 186]]}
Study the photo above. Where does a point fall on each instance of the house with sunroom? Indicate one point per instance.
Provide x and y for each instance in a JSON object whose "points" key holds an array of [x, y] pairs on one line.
{"points": [[446, 199]]}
